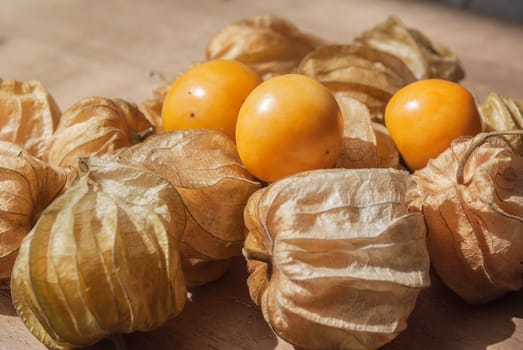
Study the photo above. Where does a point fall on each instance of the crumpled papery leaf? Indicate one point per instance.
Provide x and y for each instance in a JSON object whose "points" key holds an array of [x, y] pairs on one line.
{"points": [[335, 259], [499, 114], [369, 75], [268, 44], [474, 227], [204, 167], [98, 127], [359, 148], [27, 186], [152, 108], [102, 259], [388, 155], [28, 115], [366, 144], [424, 58]]}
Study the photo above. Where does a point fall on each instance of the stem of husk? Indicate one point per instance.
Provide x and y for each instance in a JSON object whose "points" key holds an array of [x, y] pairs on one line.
{"points": [[258, 255], [139, 137], [118, 341], [478, 142]]}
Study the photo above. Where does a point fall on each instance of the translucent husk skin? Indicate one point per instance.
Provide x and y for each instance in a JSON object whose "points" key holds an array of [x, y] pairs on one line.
{"points": [[102, 259], [424, 58], [27, 186], [335, 259], [28, 115], [98, 127], [269, 44], [358, 71], [474, 216], [204, 167], [366, 144], [501, 113]]}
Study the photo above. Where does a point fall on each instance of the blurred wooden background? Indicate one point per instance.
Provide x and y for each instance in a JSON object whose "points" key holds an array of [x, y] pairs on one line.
{"points": [[80, 48]]}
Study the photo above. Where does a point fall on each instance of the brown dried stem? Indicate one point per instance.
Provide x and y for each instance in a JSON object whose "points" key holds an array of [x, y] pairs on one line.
{"points": [[484, 137]]}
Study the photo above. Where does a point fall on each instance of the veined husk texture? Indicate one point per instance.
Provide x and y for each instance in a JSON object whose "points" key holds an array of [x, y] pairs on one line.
{"points": [[27, 186], [475, 227], [335, 259], [358, 71], [204, 167], [502, 113], [366, 144], [102, 259], [269, 44], [28, 115], [152, 107], [95, 126], [425, 58]]}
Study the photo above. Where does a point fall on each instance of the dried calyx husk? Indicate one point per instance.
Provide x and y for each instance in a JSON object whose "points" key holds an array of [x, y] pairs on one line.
{"points": [[335, 259], [358, 71], [471, 196], [366, 144], [269, 44], [96, 126], [501, 113], [204, 167], [152, 107], [103, 258], [27, 186], [28, 115], [425, 58]]}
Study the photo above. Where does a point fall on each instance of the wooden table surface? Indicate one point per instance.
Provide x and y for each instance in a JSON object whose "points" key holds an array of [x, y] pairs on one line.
{"points": [[108, 48]]}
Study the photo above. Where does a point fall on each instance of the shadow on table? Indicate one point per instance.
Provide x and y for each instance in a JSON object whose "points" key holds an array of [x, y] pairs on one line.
{"points": [[219, 315], [6, 305], [441, 320]]}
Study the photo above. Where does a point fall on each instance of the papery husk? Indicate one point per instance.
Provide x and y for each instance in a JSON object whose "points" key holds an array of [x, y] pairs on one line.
{"points": [[269, 44], [152, 107], [366, 144], [358, 65], [27, 186], [371, 76], [28, 115], [475, 219], [98, 127], [204, 167], [388, 154], [359, 148], [501, 113], [102, 259], [335, 259], [425, 59]]}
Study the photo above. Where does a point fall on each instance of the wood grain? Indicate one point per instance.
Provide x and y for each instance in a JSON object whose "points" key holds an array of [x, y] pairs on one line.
{"points": [[108, 48]]}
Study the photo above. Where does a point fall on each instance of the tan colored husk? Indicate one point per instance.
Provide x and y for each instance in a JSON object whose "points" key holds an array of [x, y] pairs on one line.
{"points": [[366, 144], [473, 206], [388, 155], [424, 58], [269, 44], [335, 259], [501, 113], [152, 108], [204, 167], [378, 72], [359, 148], [102, 259], [28, 115], [27, 186], [95, 126]]}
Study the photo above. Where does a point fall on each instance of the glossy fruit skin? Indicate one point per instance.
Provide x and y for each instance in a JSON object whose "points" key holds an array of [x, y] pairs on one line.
{"points": [[288, 124], [208, 96], [425, 116]]}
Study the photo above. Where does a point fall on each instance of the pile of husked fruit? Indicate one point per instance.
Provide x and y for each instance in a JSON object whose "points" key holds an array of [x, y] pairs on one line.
{"points": [[341, 172]]}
